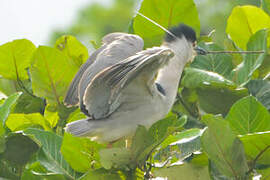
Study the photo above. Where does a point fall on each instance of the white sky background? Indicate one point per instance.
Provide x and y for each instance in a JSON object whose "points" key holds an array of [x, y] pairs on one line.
{"points": [[36, 19]]}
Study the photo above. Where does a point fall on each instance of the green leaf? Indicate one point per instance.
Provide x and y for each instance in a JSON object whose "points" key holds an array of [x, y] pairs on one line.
{"points": [[223, 147], [6, 107], [260, 89], [179, 146], [49, 155], [218, 63], [244, 71], [16, 122], [255, 144], [19, 149], [7, 86], [211, 89], [266, 6], [76, 115], [244, 22], [101, 174], [81, 153], [117, 158], [73, 49], [248, 116], [51, 116], [197, 78], [184, 171], [15, 57], [29, 104], [167, 13], [51, 73]]}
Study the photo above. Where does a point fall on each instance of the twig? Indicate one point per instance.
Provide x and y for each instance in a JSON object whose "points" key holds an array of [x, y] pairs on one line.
{"points": [[256, 159], [235, 52]]}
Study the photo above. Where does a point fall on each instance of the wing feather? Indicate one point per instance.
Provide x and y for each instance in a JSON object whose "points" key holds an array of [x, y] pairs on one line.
{"points": [[102, 94]]}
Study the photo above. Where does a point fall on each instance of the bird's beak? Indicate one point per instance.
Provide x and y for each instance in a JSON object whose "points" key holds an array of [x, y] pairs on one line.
{"points": [[200, 51]]}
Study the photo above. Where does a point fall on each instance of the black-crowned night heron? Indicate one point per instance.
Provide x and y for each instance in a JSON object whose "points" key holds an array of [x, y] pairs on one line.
{"points": [[122, 86]]}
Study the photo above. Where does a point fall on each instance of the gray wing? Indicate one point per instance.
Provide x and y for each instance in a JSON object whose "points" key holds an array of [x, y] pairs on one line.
{"points": [[103, 93], [100, 59]]}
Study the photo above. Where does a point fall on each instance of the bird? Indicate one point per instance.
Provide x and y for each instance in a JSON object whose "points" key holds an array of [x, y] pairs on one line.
{"points": [[122, 85]]}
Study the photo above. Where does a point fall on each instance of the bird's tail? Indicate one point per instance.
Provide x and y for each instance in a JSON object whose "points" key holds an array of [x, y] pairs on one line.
{"points": [[84, 127]]}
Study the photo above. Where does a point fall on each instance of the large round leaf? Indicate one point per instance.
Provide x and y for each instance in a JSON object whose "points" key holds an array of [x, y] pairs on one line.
{"points": [[245, 21], [51, 73], [15, 57], [166, 13]]}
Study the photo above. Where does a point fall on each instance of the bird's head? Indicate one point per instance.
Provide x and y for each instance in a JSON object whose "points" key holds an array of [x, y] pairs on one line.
{"points": [[182, 40]]}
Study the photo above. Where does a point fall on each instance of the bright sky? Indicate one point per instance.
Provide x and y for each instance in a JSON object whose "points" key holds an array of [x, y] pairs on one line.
{"points": [[35, 19]]}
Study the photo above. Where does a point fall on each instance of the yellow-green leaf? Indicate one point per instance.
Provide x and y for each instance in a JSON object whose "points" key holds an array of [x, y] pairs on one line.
{"points": [[245, 21]]}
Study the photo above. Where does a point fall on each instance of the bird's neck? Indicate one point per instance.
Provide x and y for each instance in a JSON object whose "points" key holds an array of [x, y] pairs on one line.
{"points": [[169, 76]]}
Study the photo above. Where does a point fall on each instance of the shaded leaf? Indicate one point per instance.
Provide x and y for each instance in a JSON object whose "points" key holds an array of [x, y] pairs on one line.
{"points": [[266, 6], [167, 14], [244, 71], [81, 153], [211, 89], [255, 144], [245, 21], [29, 104], [73, 49], [15, 57], [49, 155], [219, 63], [19, 149], [260, 89], [223, 147], [51, 73], [248, 116]]}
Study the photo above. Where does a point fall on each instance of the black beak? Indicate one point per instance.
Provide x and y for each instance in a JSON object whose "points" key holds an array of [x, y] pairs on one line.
{"points": [[200, 51]]}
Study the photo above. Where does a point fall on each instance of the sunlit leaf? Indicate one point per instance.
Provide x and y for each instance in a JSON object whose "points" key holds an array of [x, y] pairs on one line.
{"points": [[118, 158], [51, 73], [244, 71], [51, 116], [15, 57], [248, 116], [49, 155], [223, 147], [100, 174], [179, 146], [184, 171], [244, 22], [17, 122], [73, 49], [197, 78], [81, 153], [5, 108], [166, 13], [255, 144]]}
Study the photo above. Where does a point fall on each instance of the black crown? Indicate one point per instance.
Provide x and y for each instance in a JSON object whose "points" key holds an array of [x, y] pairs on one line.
{"points": [[179, 31]]}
